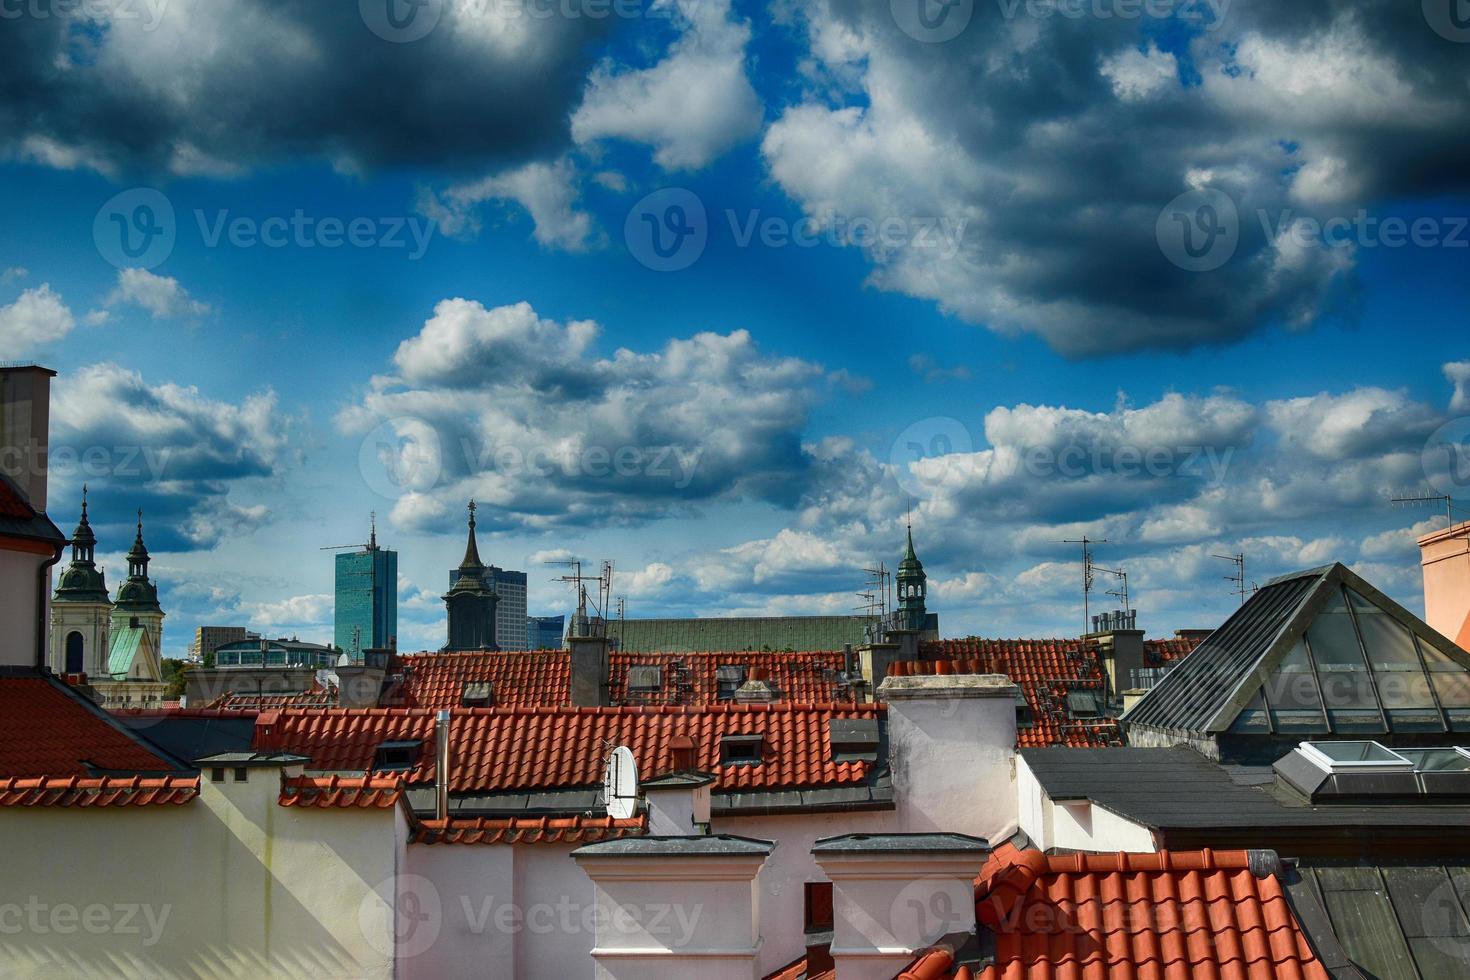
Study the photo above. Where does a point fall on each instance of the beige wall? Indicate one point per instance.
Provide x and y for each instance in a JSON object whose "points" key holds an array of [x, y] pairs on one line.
{"points": [[1445, 556], [18, 607], [230, 885]]}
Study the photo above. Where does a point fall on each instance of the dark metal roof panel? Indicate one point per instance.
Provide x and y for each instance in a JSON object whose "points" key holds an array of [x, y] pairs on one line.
{"points": [[1190, 695]]}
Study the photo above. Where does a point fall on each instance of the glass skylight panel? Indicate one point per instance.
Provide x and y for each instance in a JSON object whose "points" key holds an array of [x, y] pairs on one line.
{"points": [[1354, 756], [1437, 760], [1291, 692]]}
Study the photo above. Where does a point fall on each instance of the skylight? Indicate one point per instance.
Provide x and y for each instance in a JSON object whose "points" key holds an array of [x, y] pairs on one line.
{"points": [[1367, 771]]}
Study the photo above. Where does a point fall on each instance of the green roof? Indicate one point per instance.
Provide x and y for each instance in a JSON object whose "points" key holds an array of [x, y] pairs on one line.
{"points": [[728, 635], [124, 650]]}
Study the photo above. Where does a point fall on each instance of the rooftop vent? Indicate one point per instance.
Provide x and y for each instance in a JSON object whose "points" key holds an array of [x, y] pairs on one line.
{"points": [[1082, 704], [853, 739], [741, 750], [477, 694], [645, 679], [728, 678], [397, 756]]}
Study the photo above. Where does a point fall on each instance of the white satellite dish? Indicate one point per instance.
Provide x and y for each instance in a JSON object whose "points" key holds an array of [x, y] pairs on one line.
{"points": [[620, 784], [344, 661]]}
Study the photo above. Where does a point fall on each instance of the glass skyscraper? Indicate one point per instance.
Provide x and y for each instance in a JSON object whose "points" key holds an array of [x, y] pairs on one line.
{"points": [[367, 599]]}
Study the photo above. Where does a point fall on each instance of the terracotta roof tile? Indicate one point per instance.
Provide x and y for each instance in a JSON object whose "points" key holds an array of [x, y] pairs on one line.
{"points": [[315, 698], [47, 730], [529, 830], [519, 680], [344, 792], [98, 791], [495, 749]]}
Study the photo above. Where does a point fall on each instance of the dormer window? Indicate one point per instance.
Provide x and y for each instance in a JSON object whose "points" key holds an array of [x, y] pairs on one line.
{"points": [[728, 678], [1024, 717], [741, 750], [853, 739], [477, 694], [645, 679], [397, 756], [1082, 704]]}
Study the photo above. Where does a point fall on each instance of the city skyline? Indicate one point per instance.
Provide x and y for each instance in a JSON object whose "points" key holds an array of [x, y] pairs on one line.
{"points": [[879, 274]]}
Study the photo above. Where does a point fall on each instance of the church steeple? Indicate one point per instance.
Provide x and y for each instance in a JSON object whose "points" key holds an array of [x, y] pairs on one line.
{"points": [[912, 588], [82, 581], [138, 594], [472, 549], [471, 601]]}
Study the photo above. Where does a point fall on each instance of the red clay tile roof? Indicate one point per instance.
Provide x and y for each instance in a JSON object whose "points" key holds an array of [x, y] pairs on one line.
{"points": [[541, 679], [496, 749], [315, 698], [47, 730], [344, 792], [517, 680], [99, 791], [804, 678], [1157, 653], [529, 830], [1045, 671], [1170, 915]]}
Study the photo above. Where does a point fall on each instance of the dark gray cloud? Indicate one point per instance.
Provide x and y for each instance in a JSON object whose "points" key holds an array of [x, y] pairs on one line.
{"points": [[1060, 140], [214, 86]]}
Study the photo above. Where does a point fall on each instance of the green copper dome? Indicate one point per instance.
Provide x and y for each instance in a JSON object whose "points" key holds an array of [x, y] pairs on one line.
{"points": [[81, 581], [138, 594]]}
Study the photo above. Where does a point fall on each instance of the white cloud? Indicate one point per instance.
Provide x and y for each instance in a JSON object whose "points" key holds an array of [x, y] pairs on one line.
{"points": [[1355, 423], [1140, 74], [37, 318], [162, 296], [690, 107], [1458, 374], [547, 191]]}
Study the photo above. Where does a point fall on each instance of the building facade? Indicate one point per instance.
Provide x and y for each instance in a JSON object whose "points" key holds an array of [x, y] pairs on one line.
{"points": [[276, 653], [366, 613], [545, 632], [208, 639]]}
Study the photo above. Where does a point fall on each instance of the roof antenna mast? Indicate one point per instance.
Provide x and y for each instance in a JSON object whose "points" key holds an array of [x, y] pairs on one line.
{"points": [[1088, 568]]}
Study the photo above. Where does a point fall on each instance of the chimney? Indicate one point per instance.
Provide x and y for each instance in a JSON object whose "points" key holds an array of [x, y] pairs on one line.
{"points": [[1445, 556], [588, 655], [441, 764], [678, 803], [876, 659], [1119, 647], [25, 416], [757, 689], [894, 895], [952, 752]]}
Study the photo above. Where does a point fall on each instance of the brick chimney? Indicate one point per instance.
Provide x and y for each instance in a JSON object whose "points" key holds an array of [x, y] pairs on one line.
{"points": [[589, 671], [1445, 556]]}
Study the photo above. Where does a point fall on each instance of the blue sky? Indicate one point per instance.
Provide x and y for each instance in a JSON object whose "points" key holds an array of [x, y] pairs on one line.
{"points": [[1285, 392]]}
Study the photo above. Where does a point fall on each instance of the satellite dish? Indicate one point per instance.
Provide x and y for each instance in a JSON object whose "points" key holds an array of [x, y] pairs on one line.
{"points": [[344, 661], [327, 678], [620, 784]]}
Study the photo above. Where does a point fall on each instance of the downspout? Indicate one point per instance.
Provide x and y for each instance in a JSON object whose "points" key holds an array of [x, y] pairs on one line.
{"points": [[441, 764], [43, 585]]}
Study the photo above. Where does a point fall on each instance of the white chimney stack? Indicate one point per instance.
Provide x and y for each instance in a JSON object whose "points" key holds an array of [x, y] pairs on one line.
{"points": [[25, 419]]}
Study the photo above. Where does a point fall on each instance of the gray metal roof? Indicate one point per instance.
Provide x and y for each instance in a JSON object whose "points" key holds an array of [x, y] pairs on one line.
{"points": [[1197, 690], [1180, 789], [709, 845], [1391, 922], [901, 844]]}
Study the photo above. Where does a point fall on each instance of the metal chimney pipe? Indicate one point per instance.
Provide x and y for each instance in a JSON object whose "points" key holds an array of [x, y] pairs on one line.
{"points": [[441, 764]]}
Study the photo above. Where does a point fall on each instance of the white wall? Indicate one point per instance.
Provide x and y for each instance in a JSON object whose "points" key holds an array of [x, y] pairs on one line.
{"points": [[18, 607], [221, 887], [1070, 826]]}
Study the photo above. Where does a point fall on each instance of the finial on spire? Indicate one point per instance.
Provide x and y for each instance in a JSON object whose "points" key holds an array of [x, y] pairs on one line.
{"points": [[373, 531], [84, 501], [472, 512]]}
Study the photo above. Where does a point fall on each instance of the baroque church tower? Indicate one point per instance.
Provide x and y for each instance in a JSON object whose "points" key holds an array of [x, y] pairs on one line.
{"points": [[81, 610], [137, 619], [471, 601], [913, 588]]}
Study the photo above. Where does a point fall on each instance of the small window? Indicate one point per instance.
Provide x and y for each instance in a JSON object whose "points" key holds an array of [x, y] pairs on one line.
{"points": [[853, 739], [217, 774], [1082, 704], [133, 622], [819, 916], [645, 679], [728, 679], [1024, 717], [477, 694], [242, 774], [397, 756], [741, 750]]}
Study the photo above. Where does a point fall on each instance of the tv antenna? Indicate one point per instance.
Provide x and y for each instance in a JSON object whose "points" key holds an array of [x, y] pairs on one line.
{"points": [[598, 601], [1448, 501], [1238, 579], [1088, 568], [875, 592]]}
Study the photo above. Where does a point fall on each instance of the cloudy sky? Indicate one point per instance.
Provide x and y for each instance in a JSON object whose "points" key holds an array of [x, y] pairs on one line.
{"points": [[724, 290]]}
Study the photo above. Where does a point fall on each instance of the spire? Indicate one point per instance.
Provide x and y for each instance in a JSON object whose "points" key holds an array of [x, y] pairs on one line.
{"points": [[472, 550], [909, 554], [138, 594], [83, 541], [82, 581], [373, 532]]}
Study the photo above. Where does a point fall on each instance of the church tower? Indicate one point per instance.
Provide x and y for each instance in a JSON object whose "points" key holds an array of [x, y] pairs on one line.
{"points": [[912, 588], [471, 601], [81, 610], [137, 619]]}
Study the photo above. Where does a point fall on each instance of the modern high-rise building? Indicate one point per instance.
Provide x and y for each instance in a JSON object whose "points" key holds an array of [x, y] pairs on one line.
{"points": [[545, 632], [367, 599], [511, 631], [208, 639]]}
